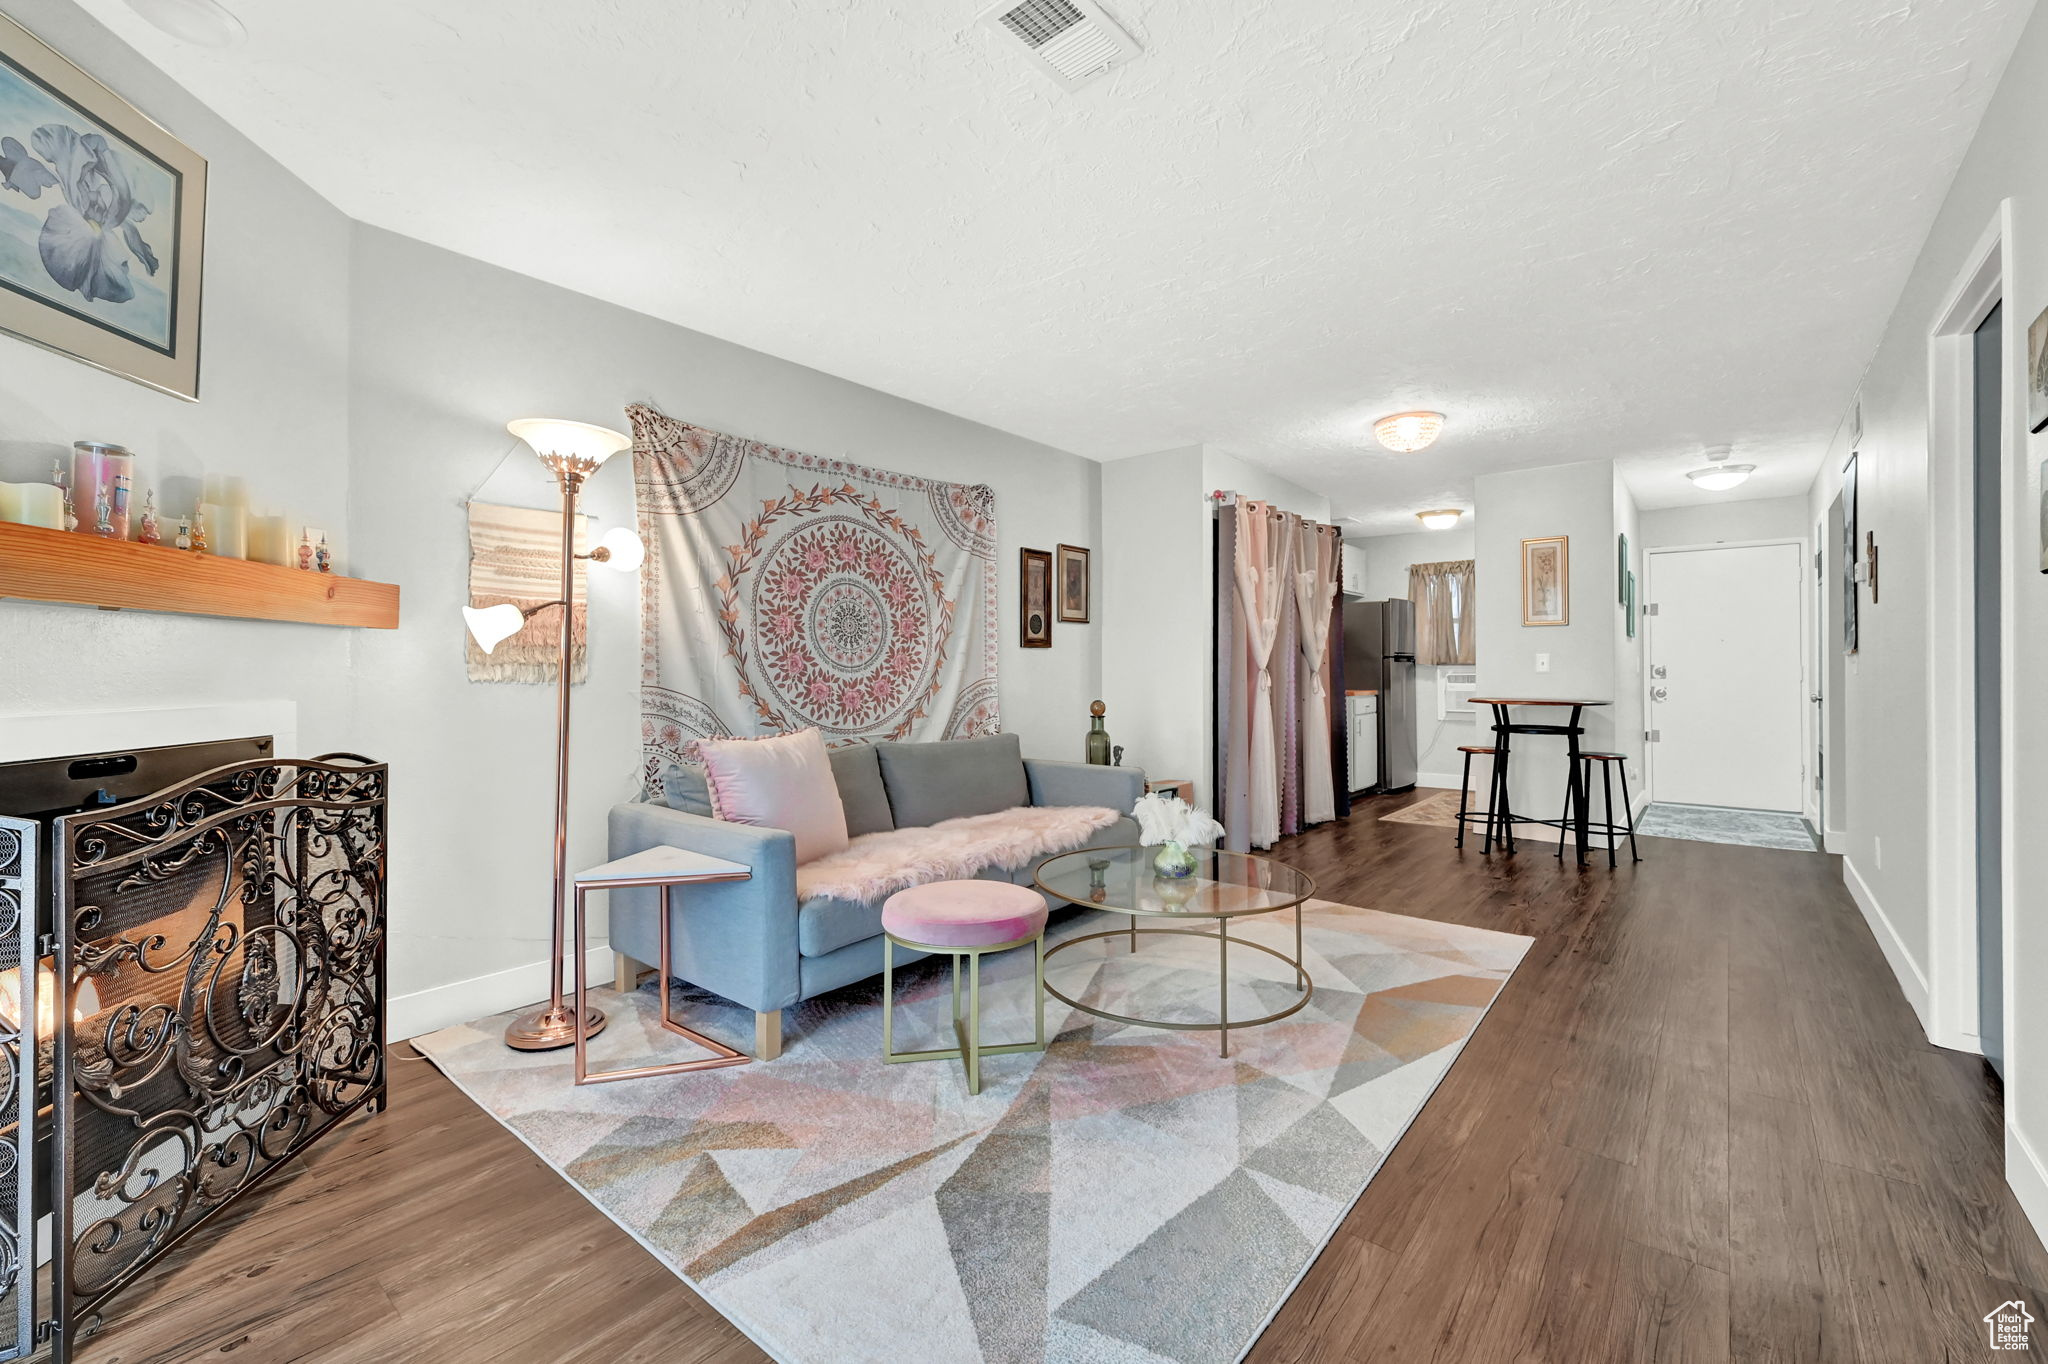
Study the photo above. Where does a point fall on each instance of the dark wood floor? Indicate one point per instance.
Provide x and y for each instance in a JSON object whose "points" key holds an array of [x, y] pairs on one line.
{"points": [[1699, 1124]]}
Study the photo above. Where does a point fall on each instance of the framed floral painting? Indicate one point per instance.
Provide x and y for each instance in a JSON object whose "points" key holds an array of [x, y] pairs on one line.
{"points": [[102, 222], [1546, 581], [1071, 565]]}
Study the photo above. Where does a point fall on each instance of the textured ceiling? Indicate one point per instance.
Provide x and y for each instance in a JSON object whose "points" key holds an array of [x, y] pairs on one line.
{"points": [[1582, 228]]}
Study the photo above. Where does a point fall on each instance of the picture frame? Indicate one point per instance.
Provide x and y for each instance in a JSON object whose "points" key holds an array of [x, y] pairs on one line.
{"points": [[1070, 584], [81, 166], [1628, 600], [2037, 372], [1621, 569], [2043, 485], [1034, 598], [1546, 581]]}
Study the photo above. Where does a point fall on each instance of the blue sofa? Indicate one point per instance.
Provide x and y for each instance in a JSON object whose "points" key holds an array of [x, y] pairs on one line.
{"points": [[752, 941]]}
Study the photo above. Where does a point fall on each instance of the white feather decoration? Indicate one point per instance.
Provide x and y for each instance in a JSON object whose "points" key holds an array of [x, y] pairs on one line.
{"points": [[1169, 819]]}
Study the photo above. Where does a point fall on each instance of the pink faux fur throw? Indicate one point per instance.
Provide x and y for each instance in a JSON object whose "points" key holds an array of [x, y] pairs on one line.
{"points": [[879, 864]]}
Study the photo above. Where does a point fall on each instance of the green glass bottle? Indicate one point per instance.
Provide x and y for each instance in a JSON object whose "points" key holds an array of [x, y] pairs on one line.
{"points": [[1098, 737]]}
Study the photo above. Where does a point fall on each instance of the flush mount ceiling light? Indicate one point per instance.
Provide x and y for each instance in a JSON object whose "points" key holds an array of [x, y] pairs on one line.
{"points": [[1441, 519], [202, 22], [1719, 475], [1406, 432]]}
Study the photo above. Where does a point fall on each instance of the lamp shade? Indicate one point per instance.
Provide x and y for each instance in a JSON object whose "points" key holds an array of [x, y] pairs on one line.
{"points": [[576, 441], [1441, 519], [1719, 478], [626, 552], [491, 626], [1406, 432]]}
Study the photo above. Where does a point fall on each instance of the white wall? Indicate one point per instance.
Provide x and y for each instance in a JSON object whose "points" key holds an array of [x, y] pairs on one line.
{"points": [[1157, 630], [274, 408], [445, 350], [1387, 559], [1627, 716], [1577, 501], [1761, 518], [1157, 662], [1886, 692]]}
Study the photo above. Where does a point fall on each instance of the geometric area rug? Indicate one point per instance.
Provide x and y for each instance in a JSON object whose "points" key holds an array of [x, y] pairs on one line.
{"points": [[1127, 1196]]}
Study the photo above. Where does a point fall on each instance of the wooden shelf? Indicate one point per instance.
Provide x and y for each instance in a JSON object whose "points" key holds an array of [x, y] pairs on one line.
{"points": [[85, 570]]}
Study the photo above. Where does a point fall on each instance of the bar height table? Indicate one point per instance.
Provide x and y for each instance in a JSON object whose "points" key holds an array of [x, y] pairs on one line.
{"points": [[1501, 821]]}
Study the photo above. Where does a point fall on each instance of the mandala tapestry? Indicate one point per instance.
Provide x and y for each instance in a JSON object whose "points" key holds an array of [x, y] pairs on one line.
{"points": [[784, 590]]}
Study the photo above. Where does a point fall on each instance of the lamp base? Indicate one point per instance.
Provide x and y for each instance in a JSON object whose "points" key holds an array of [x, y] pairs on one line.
{"points": [[551, 1026]]}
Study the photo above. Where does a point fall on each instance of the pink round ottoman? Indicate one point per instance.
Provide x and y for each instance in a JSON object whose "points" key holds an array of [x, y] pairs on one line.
{"points": [[963, 919]]}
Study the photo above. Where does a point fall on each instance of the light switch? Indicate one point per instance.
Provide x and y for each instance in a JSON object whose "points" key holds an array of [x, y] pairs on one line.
{"points": [[1543, 663]]}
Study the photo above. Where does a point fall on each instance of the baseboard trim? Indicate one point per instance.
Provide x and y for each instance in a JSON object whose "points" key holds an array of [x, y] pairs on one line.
{"points": [[2027, 1175], [1834, 841], [441, 1006], [1912, 983]]}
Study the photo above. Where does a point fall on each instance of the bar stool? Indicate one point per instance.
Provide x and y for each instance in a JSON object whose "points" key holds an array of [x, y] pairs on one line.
{"points": [[1470, 816], [1609, 763], [963, 919]]}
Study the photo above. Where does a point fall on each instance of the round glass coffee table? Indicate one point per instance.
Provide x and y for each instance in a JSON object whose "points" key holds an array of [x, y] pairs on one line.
{"points": [[1223, 886]]}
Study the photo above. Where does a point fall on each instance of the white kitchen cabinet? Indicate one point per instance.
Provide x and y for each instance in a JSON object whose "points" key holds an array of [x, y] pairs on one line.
{"points": [[1363, 713], [1352, 578]]}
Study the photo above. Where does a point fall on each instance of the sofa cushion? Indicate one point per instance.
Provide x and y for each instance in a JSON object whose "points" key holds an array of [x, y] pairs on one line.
{"points": [[684, 788], [855, 772], [951, 778], [858, 774], [825, 923], [784, 782]]}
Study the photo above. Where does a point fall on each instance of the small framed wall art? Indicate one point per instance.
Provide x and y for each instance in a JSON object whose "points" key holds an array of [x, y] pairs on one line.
{"points": [[1546, 581], [1071, 565], [1034, 593], [102, 215]]}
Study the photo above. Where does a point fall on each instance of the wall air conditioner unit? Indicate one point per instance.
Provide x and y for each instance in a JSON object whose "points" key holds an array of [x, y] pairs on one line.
{"points": [[1454, 688], [1072, 41]]}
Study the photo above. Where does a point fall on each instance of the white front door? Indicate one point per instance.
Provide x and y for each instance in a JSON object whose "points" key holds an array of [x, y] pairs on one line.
{"points": [[1726, 691]]}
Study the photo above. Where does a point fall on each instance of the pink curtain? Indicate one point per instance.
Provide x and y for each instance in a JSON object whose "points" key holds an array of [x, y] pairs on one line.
{"points": [[1313, 604], [1274, 673], [1258, 606]]}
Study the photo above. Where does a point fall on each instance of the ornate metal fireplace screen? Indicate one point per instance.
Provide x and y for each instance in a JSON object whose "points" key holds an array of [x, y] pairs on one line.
{"points": [[216, 1005]]}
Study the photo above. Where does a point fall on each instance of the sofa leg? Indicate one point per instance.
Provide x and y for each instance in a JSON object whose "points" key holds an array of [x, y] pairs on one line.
{"points": [[768, 1035], [625, 973]]}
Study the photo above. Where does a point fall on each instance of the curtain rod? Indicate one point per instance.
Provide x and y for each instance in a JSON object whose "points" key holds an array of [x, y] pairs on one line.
{"points": [[1227, 497]]}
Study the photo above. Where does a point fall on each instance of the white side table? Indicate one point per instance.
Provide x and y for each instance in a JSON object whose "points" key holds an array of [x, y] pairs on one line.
{"points": [[665, 868]]}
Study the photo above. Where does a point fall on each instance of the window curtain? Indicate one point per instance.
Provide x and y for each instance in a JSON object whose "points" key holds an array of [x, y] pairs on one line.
{"points": [[1442, 593], [1276, 602]]}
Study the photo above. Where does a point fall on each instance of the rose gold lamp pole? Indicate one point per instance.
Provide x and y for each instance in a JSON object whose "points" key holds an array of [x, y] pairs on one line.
{"points": [[573, 451]]}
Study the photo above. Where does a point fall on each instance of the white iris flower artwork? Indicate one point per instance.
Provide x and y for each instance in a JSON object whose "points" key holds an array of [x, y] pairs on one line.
{"points": [[85, 216]]}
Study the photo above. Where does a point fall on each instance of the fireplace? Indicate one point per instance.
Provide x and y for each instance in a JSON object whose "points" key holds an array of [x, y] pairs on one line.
{"points": [[191, 993]]}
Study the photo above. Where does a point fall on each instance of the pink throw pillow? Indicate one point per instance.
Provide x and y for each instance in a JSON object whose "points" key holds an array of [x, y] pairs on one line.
{"points": [[784, 782]]}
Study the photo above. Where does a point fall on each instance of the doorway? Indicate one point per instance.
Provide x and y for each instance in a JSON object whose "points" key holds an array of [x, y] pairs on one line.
{"points": [[1987, 472], [1726, 664]]}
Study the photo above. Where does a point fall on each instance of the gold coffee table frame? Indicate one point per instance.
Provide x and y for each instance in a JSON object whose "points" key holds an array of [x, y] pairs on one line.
{"points": [[1137, 862]]}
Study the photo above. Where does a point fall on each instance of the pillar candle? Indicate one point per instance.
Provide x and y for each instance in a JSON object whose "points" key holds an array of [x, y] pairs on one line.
{"points": [[268, 542], [225, 490], [32, 504], [227, 530]]}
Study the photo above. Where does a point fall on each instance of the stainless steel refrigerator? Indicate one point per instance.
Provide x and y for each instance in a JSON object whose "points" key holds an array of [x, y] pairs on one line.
{"points": [[1379, 653]]}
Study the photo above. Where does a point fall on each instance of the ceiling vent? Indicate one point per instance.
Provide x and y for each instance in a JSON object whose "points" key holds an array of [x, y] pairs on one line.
{"points": [[1072, 40]]}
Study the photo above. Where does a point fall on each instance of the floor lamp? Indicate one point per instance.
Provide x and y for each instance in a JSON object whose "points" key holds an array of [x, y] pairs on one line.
{"points": [[573, 450]]}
